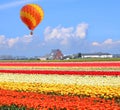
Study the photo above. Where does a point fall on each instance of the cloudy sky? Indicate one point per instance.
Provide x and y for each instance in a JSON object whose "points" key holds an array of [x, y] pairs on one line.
{"points": [[73, 26]]}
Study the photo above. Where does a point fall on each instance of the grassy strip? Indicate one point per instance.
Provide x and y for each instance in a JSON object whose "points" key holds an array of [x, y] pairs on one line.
{"points": [[70, 60]]}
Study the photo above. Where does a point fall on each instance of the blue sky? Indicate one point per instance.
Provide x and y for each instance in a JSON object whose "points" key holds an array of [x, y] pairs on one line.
{"points": [[73, 26]]}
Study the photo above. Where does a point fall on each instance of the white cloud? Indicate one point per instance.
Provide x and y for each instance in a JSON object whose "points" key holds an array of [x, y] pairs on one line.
{"points": [[81, 30], [15, 3], [11, 42], [65, 34], [27, 38], [107, 42], [95, 43], [57, 33], [108, 45], [2, 39]]}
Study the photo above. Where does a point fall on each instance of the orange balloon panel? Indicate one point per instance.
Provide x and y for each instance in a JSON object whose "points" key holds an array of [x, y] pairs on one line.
{"points": [[31, 15]]}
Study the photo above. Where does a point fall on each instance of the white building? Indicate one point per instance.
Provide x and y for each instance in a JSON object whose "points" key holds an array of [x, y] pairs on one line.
{"points": [[97, 55]]}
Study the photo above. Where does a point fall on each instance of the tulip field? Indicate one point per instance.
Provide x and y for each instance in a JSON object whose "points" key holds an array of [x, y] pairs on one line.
{"points": [[60, 85]]}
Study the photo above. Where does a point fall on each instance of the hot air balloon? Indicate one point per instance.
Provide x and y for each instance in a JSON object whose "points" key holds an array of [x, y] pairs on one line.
{"points": [[31, 15]]}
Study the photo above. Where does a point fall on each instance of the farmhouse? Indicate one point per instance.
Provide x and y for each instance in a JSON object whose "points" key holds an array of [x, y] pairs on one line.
{"points": [[96, 55]]}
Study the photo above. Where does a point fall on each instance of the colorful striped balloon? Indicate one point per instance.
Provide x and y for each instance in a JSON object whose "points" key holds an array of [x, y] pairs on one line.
{"points": [[31, 15]]}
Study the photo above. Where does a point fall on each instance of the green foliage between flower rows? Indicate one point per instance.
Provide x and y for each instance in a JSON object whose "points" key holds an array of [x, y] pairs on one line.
{"points": [[70, 60]]}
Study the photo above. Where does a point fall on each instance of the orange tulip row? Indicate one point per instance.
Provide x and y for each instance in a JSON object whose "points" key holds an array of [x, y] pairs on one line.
{"points": [[42, 101]]}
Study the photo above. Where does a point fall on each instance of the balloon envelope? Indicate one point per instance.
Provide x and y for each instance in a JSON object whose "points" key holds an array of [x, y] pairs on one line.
{"points": [[31, 15]]}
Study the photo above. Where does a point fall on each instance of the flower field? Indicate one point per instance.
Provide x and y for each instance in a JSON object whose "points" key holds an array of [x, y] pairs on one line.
{"points": [[60, 85]]}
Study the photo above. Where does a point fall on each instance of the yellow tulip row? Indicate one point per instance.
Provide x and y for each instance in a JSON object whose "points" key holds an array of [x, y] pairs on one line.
{"points": [[60, 68], [98, 86], [73, 89]]}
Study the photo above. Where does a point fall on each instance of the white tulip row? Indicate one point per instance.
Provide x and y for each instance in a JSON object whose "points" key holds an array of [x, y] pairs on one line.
{"points": [[62, 79]]}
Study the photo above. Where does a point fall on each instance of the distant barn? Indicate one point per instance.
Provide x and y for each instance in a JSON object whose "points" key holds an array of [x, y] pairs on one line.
{"points": [[55, 54]]}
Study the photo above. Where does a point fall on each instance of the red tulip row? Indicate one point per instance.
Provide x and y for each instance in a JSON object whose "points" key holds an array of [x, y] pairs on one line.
{"points": [[62, 64], [60, 72], [42, 101]]}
